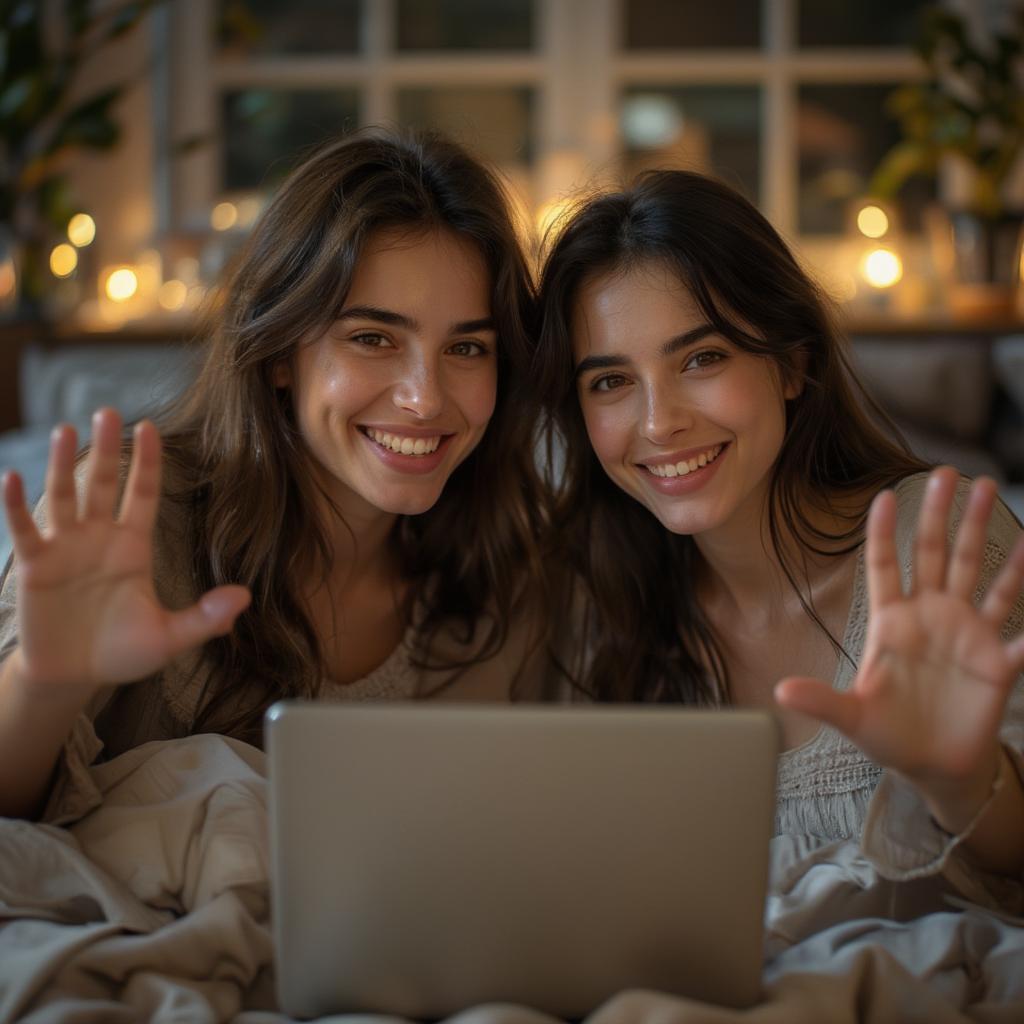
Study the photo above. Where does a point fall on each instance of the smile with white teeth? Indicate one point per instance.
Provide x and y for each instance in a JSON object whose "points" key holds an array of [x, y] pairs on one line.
{"points": [[671, 469], [403, 445]]}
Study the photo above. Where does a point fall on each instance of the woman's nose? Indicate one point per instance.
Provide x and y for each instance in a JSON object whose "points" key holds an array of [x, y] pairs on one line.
{"points": [[664, 414], [420, 391]]}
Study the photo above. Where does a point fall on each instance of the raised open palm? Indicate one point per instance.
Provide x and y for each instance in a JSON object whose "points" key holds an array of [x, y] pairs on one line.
{"points": [[88, 614], [935, 674]]}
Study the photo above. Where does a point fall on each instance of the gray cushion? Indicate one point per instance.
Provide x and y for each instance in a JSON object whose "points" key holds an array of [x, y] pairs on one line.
{"points": [[68, 384], [942, 385]]}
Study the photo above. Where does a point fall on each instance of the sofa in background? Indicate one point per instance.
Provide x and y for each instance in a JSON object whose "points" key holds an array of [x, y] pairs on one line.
{"points": [[66, 385]]}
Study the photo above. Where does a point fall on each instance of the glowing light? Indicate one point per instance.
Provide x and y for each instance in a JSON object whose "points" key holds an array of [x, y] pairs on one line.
{"points": [[81, 230], [8, 280], [63, 260], [882, 268], [872, 221], [248, 211], [224, 216], [121, 285], [172, 294]]}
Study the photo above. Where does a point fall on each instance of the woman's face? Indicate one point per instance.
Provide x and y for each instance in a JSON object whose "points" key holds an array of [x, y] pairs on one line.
{"points": [[679, 417], [400, 388]]}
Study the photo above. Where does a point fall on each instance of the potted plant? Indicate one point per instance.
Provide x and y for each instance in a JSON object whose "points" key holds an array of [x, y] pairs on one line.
{"points": [[964, 121], [42, 121]]}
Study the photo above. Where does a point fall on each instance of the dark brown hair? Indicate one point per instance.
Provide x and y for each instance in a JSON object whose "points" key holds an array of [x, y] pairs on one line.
{"points": [[249, 491], [650, 639]]}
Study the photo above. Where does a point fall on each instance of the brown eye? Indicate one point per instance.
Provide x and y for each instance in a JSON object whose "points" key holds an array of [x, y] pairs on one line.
{"points": [[371, 339], [609, 382], [704, 359], [468, 348]]}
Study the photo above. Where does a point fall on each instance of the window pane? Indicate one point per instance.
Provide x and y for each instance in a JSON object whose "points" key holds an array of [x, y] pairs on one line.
{"points": [[864, 23], [464, 24], [495, 123], [267, 131], [261, 27], [654, 24], [843, 132], [715, 129]]}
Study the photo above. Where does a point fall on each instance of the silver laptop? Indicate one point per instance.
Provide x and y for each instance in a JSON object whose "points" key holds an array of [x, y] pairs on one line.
{"points": [[431, 857]]}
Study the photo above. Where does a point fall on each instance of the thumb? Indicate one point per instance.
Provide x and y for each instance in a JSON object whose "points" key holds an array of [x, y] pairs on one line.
{"points": [[818, 700], [212, 615]]}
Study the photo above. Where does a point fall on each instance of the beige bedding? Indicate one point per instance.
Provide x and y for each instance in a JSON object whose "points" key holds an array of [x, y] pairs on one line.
{"points": [[154, 907]]}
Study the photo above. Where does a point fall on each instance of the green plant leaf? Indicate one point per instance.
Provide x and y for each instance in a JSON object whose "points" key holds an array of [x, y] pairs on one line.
{"points": [[902, 162]]}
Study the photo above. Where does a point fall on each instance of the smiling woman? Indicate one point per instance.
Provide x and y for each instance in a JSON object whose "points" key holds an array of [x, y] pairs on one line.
{"points": [[345, 504], [744, 533]]}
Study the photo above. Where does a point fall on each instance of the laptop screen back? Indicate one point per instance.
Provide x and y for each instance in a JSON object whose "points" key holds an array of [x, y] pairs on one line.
{"points": [[428, 858]]}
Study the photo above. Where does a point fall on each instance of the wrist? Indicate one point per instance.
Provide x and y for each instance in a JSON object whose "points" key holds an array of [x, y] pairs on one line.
{"points": [[955, 805], [19, 686]]}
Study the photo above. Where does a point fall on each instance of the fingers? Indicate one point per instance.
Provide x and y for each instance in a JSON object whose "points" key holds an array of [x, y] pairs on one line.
{"points": [[61, 498], [103, 465], [932, 543], [1005, 588], [818, 700], [142, 492], [969, 547], [212, 615], [883, 568], [24, 533]]}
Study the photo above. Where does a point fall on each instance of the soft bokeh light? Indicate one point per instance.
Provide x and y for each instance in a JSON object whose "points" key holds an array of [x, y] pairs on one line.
{"points": [[81, 230], [121, 285], [248, 211], [882, 268], [872, 221], [8, 279], [63, 260], [172, 295], [224, 216]]}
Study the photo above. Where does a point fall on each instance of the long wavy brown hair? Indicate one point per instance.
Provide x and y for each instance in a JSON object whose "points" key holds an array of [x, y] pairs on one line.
{"points": [[249, 495], [649, 637]]}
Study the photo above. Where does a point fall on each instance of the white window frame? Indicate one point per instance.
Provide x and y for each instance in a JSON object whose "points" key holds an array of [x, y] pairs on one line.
{"points": [[578, 71]]}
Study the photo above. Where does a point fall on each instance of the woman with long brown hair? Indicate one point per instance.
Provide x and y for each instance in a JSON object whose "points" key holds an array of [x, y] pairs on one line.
{"points": [[344, 505], [738, 518]]}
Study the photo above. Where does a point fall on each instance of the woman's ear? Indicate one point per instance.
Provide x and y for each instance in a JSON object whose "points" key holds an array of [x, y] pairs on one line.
{"points": [[281, 375]]}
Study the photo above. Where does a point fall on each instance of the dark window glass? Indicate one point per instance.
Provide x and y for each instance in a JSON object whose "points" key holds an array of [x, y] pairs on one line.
{"points": [[464, 24], [715, 129], [655, 24], [843, 131], [267, 27], [494, 122], [267, 131], [859, 23]]}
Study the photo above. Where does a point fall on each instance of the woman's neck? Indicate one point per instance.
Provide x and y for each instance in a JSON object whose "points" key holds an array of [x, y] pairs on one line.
{"points": [[744, 570]]}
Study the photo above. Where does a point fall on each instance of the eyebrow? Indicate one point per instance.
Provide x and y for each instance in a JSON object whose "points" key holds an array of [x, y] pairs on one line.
{"points": [[393, 319], [680, 341]]}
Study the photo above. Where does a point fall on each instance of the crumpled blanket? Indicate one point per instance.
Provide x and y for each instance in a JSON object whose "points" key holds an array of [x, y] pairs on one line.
{"points": [[155, 907]]}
